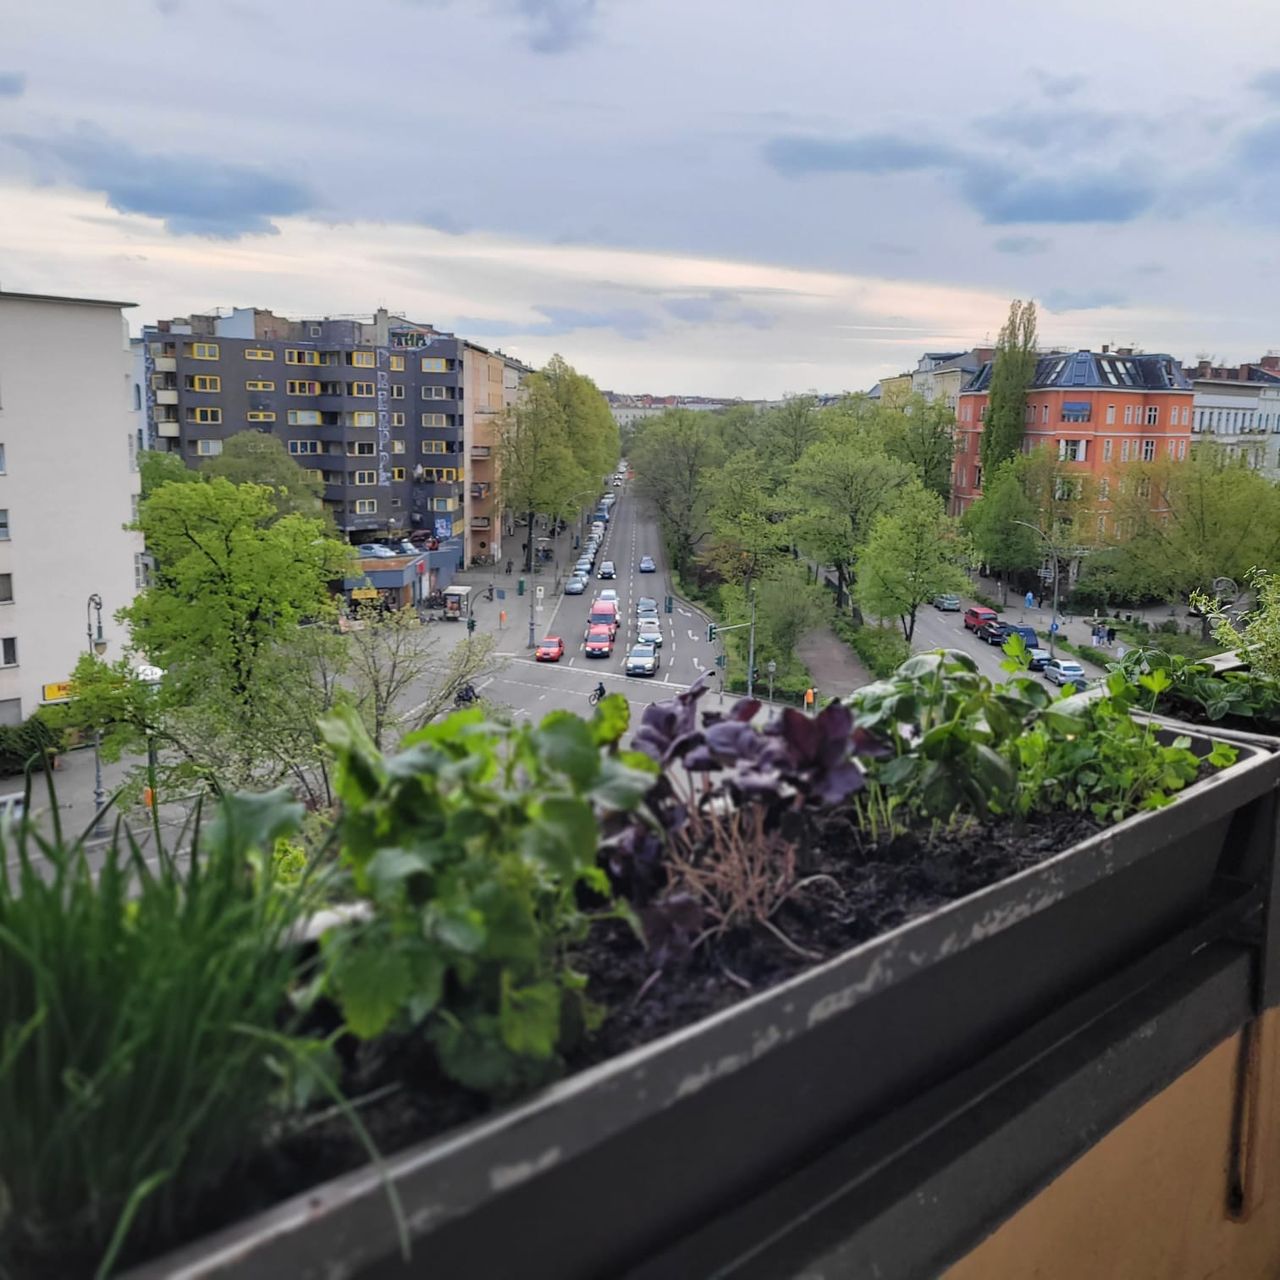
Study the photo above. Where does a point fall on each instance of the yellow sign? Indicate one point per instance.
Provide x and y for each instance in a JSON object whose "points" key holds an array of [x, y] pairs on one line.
{"points": [[365, 593], [60, 692]]}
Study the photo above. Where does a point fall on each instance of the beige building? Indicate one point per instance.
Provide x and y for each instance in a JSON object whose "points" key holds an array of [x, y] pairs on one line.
{"points": [[491, 384], [70, 436]]}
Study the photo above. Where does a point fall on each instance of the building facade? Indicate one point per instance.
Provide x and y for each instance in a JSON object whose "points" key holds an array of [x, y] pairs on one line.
{"points": [[491, 385], [1097, 411], [375, 409], [1237, 408], [68, 445], [940, 376]]}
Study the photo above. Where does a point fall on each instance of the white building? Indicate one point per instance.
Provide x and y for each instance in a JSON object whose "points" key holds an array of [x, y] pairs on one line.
{"points": [[69, 484], [1237, 407]]}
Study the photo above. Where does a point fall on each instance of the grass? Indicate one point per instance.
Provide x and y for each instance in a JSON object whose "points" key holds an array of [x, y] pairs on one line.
{"points": [[140, 1013]]}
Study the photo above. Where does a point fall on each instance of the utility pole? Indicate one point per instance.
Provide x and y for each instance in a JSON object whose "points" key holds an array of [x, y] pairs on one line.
{"points": [[1053, 556], [751, 647]]}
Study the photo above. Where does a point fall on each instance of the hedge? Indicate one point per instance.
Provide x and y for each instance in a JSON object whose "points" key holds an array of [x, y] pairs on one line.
{"points": [[28, 745]]}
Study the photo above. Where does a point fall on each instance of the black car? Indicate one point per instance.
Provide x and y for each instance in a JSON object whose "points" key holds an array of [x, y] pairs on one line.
{"points": [[994, 632]]}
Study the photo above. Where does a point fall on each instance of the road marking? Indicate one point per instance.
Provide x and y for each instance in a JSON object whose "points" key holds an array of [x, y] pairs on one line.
{"points": [[696, 664], [692, 636], [687, 612]]}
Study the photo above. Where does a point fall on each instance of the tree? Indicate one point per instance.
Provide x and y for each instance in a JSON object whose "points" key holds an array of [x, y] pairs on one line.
{"points": [[676, 456], [914, 553], [785, 432], [746, 524], [992, 524], [164, 468], [592, 431], [922, 434], [1011, 375], [254, 457]]}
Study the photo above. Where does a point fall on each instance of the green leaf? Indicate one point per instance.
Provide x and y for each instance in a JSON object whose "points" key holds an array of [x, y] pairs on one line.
{"points": [[388, 869], [529, 1017], [611, 719], [245, 822], [371, 981], [427, 973], [624, 780], [562, 834], [462, 931], [566, 744]]}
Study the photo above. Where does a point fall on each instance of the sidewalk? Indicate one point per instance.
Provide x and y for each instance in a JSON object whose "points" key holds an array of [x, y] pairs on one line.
{"points": [[835, 668]]}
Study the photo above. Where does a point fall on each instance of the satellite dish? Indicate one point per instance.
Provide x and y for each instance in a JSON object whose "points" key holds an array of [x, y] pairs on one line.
{"points": [[1225, 591]]}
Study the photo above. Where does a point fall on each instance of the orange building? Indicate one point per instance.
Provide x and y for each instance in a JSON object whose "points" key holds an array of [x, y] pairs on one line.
{"points": [[1097, 410]]}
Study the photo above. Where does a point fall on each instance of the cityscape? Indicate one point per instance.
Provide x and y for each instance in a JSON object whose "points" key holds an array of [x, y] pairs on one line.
{"points": [[609, 672]]}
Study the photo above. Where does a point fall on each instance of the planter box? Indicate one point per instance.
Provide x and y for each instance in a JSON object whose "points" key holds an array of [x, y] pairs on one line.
{"points": [[614, 1167], [1220, 662]]}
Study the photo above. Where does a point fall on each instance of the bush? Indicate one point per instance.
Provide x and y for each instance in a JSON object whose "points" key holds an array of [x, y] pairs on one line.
{"points": [[882, 648], [29, 745]]}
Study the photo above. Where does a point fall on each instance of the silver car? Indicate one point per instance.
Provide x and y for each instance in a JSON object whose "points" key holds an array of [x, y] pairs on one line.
{"points": [[575, 586], [649, 632]]}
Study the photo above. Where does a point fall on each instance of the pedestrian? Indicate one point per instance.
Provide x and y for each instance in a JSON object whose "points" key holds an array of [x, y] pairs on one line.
{"points": [[1040, 601], [508, 566], [1111, 636], [524, 548], [810, 697]]}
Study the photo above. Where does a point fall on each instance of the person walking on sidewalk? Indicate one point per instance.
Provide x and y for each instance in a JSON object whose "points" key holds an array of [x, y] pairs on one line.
{"points": [[810, 699], [508, 567]]}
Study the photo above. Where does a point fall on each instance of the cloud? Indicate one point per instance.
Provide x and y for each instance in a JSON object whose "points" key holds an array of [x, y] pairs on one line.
{"points": [[1268, 83], [1003, 195], [13, 84], [794, 155], [556, 26], [1059, 300], [626, 321], [1041, 129], [1061, 86], [718, 307], [443, 220], [1022, 244], [192, 194]]}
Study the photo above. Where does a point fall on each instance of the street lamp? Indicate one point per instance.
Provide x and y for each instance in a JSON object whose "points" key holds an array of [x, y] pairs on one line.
{"points": [[97, 647], [1053, 553]]}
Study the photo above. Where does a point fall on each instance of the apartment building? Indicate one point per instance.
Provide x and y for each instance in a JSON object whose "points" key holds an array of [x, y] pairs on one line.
{"points": [[1096, 410], [69, 486], [1237, 408], [376, 409], [940, 376], [491, 385]]}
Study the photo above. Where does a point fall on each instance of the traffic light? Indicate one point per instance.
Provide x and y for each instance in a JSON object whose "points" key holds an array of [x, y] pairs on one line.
{"points": [[711, 632], [471, 624], [670, 604], [721, 661]]}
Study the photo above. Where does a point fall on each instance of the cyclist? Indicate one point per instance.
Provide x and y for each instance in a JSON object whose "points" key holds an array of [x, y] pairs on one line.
{"points": [[599, 693]]}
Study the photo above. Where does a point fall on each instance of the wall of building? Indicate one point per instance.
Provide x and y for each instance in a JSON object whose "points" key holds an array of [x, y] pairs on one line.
{"points": [[68, 484]]}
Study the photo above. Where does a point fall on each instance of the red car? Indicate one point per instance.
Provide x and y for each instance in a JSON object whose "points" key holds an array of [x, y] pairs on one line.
{"points": [[550, 650], [599, 641]]}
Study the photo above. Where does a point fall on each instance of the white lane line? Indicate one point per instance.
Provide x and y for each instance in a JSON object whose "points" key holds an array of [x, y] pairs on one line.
{"points": [[692, 636], [687, 613], [697, 666]]}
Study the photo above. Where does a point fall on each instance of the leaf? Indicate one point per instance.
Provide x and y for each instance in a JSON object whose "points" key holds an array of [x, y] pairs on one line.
{"points": [[565, 743], [389, 868], [562, 834], [371, 981], [624, 780], [245, 822], [611, 720], [359, 761], [458, 930], [529, 1017]]}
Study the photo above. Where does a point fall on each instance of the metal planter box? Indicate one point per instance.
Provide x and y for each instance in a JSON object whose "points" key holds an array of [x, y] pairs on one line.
{"points": [[1221, 662], [609, 1171]]}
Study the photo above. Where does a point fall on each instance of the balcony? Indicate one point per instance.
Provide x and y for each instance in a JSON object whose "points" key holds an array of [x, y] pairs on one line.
{"points": [[480, 452], [481, 522], [169, 429], [166, 397], [165, 364], [481, 490]]}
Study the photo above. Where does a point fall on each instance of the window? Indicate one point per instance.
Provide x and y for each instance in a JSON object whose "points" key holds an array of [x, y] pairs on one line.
{"points": [[204, 382], [1186, 415], [297, 447], [960, 476], [397, 446], [397, 390], [1044, 415], [359, 388], [1124, 451], [1102, 524], [967, 416], [366, 506], [9, 651], [398, 473], [362, 359], [202, 350], [3, 470], [134, 499], [397, 364], [256, 384], [444, 504], [1128, 415], [6, 588], [977, 477], [1106, 448], [434, 364], [365, 419], [1148, 450], [258, 353], [1153, 415], [1173, 415], [397, 419], [206, 416], [1104, 489], [304, 417], [315, 474], [302, 387], [261, 415], [1111, 414], [397, 502], [294, 356], [433, 446], [4, 524], [141, 570], [1074, 411], [1072, 450], [208, 448], [1182, 450], [364, 477], [1173, 448], [437, 393], [433, 420], [361, 448]]}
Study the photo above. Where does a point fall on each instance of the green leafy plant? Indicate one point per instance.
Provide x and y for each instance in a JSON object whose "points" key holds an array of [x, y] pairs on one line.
{"points": [[1193, 690], [29, 745], [476, 847], [141, 1018], [1259, 637]]}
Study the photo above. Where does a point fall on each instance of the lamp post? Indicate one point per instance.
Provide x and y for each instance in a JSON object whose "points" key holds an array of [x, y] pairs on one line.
{"points": [[1053, 554], [97, 647]]}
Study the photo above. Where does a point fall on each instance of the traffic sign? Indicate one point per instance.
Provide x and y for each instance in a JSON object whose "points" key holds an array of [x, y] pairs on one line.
{"points": [[502, 593], [540, 591]]}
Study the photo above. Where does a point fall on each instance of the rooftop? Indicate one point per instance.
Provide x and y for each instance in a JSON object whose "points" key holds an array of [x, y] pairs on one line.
{"points": [[1104, 371], [6, 295]]}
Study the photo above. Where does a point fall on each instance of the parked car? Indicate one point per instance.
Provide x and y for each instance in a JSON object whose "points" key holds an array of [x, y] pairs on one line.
{"points": [[1036, 658], [1062, 671], [993, 632], [375, 551], [576, 586], [647, 565], [1027, 633], [402, 547], [599, 642], [550, 650], [642, 660], [646, 604], [617, 482], [608, 594], [607, 570], [977, 616], [947, 603], [584, 565], [649, 632]]}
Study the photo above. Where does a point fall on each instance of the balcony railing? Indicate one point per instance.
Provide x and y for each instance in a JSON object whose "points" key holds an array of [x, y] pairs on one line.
{"points": [[481, 522], [481, 451]]}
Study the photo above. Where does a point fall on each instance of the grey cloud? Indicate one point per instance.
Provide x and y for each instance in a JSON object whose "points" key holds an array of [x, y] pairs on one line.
{"points": [[1061, 86], [717, 307], [692, 310], [13, 84], [1039, 129], [1022, 244], [556, 26], [794, 155], [627, 322], [1082, 299], [1004, 195], [443, 220], [194, 195], [1268, 83]]}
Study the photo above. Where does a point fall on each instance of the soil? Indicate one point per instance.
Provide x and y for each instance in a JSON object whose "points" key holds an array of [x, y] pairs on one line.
{"points": [[848, 891], [1194, 713]]}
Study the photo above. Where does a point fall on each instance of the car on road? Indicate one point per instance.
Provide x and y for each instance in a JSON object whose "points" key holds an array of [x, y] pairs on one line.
{"points": [[375, 551], [642, 660], [608, 594], [576, 586], [550, 650], [647, 565], [584, 564], [1062, 671], [649, 631], [599, 641], [603, 612], [994, 632], [1028, 634], [607, 570], [617, 482], [976, 617], [947, 603], [646, 615], [1036, 658], [646, 604]]}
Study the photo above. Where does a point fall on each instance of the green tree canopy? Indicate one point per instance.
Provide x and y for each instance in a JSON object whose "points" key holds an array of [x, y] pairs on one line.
{"points": [[1015, 367], [993, 524], [255, 457]]}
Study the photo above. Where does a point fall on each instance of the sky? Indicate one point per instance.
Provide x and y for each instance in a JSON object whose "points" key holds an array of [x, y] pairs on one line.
{"points": [[718, 197]]}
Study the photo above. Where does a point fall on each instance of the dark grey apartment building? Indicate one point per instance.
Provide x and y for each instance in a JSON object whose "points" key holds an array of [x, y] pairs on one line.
{"points": [[377, 409]]}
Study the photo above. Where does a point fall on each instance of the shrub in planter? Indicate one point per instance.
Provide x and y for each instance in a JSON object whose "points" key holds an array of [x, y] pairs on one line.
{"points": [[29, 745], [1199, 692]]}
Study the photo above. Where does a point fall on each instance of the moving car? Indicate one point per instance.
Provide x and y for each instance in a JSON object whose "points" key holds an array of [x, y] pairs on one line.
{"points": [[642, 660], [607, 570], [599, 642], [993, 632], [608, 594], [550, 650], [603, 612], [375, 551], [947, 603], [576, 586], [649, 632], [976, 617], [647, 565], [1062, 671], [646, 604], [617, 482], [1036, 658]]}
